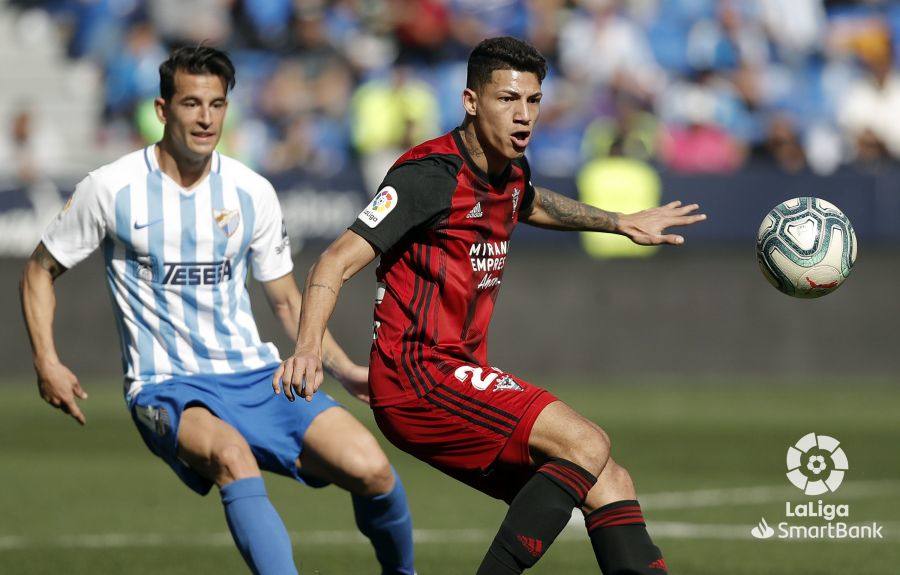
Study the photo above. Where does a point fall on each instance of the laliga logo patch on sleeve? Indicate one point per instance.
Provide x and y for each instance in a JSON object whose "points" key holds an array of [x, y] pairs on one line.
{"points": [[382, 204]]}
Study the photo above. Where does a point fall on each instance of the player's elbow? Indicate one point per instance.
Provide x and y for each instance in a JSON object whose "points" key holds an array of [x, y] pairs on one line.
{"points": [[329, 266]]}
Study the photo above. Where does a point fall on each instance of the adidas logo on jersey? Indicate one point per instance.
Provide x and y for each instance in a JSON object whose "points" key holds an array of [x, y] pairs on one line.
{"points": [[475, 212]]}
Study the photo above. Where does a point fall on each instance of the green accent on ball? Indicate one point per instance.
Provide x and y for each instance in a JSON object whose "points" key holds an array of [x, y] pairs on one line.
{"points": [[775, 238]]}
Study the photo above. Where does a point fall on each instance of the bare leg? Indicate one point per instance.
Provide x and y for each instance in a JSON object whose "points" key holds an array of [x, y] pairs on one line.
{"points": [[339, 449], [213, 448], [569, 452], [220, 453]]}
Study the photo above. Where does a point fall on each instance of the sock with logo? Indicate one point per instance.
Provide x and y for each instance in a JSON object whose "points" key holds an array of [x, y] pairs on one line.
{"points": [[257, 529], [621, 542], [536, 516], [386, 521]]}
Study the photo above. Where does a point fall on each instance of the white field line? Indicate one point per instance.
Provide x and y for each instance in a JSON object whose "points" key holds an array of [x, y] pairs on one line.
{"points": [[659, 529], [754, 495], [654, 501], [737, 496]]}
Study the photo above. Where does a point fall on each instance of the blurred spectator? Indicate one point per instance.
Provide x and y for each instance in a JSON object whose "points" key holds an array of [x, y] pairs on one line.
{"points": [[734, 39], [633, 130], [29, 150], [389, 116], [474, 20], [132, 74], [698, 144], [263, 23], [620, 184], [782, 145], [297, 148], [870, 110], [191, 21], [601, 48], [421, 28], [721, 74], [796, 27]]}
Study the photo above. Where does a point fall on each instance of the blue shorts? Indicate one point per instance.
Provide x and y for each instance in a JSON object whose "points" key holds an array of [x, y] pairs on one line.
{"points": [[273, 426]]}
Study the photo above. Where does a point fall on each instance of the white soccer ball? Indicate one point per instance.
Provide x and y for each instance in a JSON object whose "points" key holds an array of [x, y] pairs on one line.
{"points": [[806, 247]]}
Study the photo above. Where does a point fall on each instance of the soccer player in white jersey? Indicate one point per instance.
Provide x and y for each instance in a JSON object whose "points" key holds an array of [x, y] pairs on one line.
{"points": [[180, 225]]}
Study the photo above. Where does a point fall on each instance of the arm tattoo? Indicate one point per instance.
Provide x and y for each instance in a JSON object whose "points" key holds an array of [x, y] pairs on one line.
{"points": [[570, 214], [46, 260], [329, 288]]}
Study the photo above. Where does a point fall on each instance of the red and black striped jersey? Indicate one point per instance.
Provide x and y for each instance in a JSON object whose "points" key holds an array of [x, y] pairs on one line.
{"points": [[442, 226]]}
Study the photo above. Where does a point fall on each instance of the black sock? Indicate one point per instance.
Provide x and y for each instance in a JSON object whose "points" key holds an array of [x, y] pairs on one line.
{"points": [[621, 542], [536, 516]]}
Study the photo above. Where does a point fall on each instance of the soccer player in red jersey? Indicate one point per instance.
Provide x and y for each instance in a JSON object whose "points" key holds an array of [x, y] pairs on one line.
{"points": [[441, 222]]}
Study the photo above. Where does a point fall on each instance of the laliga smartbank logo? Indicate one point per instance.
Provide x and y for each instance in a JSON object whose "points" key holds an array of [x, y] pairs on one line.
{"points": [[816, 465]]}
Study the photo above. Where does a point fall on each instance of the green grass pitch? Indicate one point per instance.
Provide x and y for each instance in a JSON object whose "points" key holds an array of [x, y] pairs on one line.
{"points": [[708, 460]]}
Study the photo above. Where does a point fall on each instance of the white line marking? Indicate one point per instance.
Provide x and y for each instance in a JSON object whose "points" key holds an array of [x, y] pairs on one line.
{"points": [[754, 495], [574, 530], [659, 529], [737, 496]]}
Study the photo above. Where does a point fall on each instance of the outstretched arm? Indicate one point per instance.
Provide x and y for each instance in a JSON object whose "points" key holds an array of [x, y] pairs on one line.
{"points": [[285, 299], [57, 385], [557, 212], [337, 264]]}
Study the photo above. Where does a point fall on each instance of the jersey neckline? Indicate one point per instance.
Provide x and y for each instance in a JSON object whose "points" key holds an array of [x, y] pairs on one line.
{"points": [[153, 166]]}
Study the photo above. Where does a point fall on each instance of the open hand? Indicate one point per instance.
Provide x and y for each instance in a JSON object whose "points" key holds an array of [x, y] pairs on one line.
{"points": [[647, 227]]}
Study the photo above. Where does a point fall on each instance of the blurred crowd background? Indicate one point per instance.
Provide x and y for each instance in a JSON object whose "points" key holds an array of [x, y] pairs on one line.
{"points": [[693, 86], [329, 93], [734, 105]]}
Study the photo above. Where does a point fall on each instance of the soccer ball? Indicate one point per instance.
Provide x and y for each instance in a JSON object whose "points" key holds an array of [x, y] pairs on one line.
{"points": [[806, 247]]}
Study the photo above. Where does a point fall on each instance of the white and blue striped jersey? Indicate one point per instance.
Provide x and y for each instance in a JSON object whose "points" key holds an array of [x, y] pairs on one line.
{"points": [[176, 262]]}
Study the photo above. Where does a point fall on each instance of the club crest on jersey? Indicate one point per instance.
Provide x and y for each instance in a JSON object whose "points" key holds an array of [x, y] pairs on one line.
{"points": [[382, 204], [227, 220], [505, 382]]}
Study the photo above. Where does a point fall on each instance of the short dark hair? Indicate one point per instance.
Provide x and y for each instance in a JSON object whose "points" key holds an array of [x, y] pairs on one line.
{"points": [[503, 53], [194, 60]]}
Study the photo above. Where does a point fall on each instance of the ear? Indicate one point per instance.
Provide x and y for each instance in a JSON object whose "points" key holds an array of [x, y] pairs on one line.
{"points": [[470, 102], [160, 106]]}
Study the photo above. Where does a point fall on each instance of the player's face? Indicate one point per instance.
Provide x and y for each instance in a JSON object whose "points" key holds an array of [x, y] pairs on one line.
{"points": [[194, 115], [506, 111]]}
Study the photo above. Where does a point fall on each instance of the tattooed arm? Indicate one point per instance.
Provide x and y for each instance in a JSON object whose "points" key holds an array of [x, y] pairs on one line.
{"points": [[285, 299], [557, 212], [57, 384]]}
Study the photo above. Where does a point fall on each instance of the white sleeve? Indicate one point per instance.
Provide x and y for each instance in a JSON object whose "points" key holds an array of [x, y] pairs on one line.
{"points": [[270, 247], [79, 228]]}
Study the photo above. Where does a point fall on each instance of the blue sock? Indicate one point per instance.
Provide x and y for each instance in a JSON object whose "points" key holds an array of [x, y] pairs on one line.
{"points": [[386, 521], [257, 529]]}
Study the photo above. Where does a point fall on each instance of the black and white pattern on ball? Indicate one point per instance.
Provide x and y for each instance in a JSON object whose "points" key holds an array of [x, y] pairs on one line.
{"points": [[806, 247]]}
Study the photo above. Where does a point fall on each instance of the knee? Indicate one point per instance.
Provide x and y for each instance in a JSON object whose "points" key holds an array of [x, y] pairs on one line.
{"points": [[614, 484], [589, 447], [233, 461], [618, 478], [368, 472]]}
